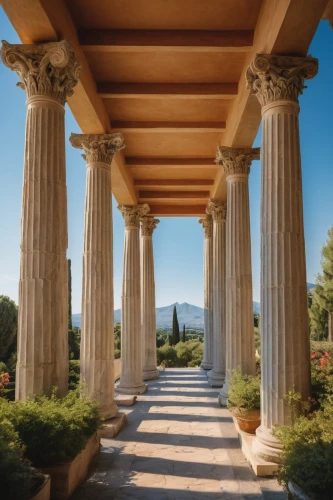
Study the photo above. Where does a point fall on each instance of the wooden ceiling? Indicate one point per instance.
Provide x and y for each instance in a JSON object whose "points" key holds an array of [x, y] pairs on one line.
{"points": [[169, 75]]}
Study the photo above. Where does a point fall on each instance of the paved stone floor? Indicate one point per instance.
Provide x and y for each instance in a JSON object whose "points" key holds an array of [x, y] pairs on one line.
{"points": [[177, 444]]}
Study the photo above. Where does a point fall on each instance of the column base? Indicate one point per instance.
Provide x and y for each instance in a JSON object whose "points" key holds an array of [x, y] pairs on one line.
{"points": [[150, 374], [266, 446], [215, 379], [110, 428], [205, 365], [110, 411], [141, 389], [224, 394]]}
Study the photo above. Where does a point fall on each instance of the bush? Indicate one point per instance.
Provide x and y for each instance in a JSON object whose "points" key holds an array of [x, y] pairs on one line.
{"points": [[322, 347], [321, 375], [15, 474], [74, 374], [166, 355], [308, 453], [53, 430], [244, 392]]}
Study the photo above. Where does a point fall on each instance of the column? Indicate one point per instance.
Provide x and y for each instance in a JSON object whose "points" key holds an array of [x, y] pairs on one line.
{"points": [[218, 210], [131, 381], [48, 73], [148, 308], [240, 349], [97, 332], [207, 224], [277, 82]]}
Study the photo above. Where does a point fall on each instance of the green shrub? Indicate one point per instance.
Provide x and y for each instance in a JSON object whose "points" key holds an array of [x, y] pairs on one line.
{"points": [[3, 367], [196, 346], [184, 354], [74, 374], [322, 347], [244, 392], [308, 453], [53, 430], [321, 375], [166, 355]]}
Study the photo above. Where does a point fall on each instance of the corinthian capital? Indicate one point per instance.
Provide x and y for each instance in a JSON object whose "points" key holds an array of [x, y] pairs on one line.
{"points": [[217, 209], [273, 78], [99, 147], [236, 160], [133, 214], [49, 69], [148, 224], [207, 224]]}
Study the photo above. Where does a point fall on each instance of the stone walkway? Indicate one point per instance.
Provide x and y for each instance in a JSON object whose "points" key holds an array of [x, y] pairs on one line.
{"points": [[178, 444]]}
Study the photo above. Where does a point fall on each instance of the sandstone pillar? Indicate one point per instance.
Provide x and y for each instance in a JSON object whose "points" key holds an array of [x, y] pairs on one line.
{"points": [[207, 224], [131, 381], [48, 73], [97, 332], [218, 210], [277, 82], [240, 350], [148, 310]]}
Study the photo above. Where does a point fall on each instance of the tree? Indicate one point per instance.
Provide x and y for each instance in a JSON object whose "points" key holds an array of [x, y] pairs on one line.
{"points": [[324, 283], [8, 324], [175, 327], [184, 334], [70, 325], [317, 314]]}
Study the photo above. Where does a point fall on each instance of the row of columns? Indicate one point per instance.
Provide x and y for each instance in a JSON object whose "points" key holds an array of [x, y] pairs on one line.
{"points": [[48, 74]]}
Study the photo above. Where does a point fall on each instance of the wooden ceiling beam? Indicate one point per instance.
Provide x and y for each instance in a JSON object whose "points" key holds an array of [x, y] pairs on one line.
{"points": [[198, 210], [122, 40], [110, 90], [133, 162], [167, 126], [173, 182], [184, 195]]}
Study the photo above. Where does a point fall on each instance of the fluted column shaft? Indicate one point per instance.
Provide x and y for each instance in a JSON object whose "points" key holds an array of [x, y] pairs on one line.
{"points": [[218, 211], [97, 331], [148, 308], [284, 318], [131, 381], [43, 289], [207, 224], [240, 350]]}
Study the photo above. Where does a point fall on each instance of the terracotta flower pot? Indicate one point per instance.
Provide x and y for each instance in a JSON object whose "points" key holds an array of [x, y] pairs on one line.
{"points": [[248, 421]]}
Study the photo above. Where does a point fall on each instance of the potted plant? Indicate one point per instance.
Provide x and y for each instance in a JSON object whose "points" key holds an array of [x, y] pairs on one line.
{"points": [[244, 400], [59, 436], [307, 464]]}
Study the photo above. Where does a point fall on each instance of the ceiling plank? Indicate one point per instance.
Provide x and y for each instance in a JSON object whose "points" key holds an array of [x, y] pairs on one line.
{"points": [[134, 40], [133, 162], [173, 182], [47, 21], [168, 126], [159, 195], [283, 27], [167, 90], [198, 210]]}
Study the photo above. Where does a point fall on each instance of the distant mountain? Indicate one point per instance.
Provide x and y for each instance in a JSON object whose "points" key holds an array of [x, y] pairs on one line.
{"points": [[310, 286]]}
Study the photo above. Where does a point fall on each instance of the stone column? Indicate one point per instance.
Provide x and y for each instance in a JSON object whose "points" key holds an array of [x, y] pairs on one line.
{"points": [[48, 73], [218, 210], [131, 381], [148, 310], [207, 224], [240, 350], [97, 332], [277, 82]]}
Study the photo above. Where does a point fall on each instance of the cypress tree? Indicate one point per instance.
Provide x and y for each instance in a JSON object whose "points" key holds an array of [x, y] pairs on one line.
{"points": [[324, 286], [184, 335], [8, 325], [70, 325], [175, 327]]}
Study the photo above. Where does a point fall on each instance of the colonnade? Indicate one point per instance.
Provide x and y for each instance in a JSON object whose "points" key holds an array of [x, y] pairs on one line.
{"points": [[49, 73]]}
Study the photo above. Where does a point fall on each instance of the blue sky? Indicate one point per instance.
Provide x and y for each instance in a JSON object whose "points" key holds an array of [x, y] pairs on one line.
{"points": [[178, 242]]}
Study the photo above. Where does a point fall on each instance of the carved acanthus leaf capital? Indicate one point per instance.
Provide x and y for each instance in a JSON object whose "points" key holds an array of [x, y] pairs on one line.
{"points": [[207, 224], [148, 225], [217, 209], [48, 69], [273, 78], [133, 214], [236, 160], [99, 147]]}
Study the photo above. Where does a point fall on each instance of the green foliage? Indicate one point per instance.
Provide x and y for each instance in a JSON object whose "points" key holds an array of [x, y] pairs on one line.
{"points": [[175, 328], [117, 340], [257, 340], [256, 320], [321, 375], [53, 430], [166, 356], [74, 339], [183, 354], [308, 453], [244, 392], [8, 325], [184, 334], [317, 314], [69, 267], [74, 374], [15, 474], [322, 347]]}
